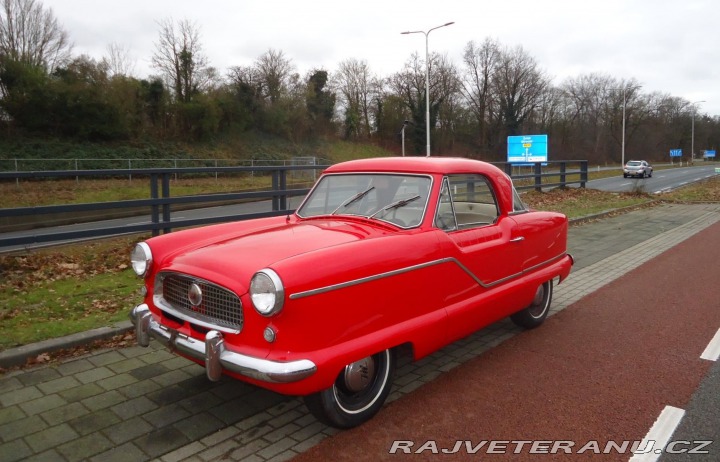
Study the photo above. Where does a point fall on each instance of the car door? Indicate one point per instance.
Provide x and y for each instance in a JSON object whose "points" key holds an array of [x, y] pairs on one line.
{"points": [[484, 248]]}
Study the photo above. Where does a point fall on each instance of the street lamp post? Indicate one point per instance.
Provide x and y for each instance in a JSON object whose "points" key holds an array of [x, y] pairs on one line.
{"points": [[427, 83], [622, 160], [692, 133], [622, 149], [402, 136]]}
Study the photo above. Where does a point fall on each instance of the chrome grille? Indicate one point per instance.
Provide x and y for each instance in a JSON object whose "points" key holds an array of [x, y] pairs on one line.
{"points": [[219, 306]]}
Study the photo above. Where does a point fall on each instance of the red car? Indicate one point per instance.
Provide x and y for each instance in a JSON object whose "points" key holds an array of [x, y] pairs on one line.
{"points": [[382, 253]]}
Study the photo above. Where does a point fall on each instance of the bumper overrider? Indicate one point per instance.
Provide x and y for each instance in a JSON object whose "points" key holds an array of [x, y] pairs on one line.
{"points": [[212, 351]]}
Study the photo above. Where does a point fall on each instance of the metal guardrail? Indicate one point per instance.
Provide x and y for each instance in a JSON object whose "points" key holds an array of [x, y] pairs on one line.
{"points": [[161, 202], [541, 171]]}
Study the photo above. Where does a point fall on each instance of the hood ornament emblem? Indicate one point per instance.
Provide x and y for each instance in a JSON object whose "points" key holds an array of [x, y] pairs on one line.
{"points": [[195, 294]]}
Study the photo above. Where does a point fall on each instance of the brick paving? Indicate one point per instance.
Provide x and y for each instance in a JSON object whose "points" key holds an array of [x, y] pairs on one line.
{"points": [[148, 404]]}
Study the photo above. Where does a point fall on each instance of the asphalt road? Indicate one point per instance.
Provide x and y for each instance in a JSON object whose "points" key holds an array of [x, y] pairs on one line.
{"points": [[662, 180]]}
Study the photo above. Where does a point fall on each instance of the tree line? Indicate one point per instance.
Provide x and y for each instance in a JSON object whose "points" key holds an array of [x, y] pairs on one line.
{"points": [[496, 91]]}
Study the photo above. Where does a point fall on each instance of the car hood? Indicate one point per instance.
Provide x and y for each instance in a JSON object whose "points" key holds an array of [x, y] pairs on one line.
{"points": [[232, 260]]}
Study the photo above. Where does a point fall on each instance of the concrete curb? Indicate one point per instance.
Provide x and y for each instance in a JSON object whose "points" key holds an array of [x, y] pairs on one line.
{"points": [[19, 356]]}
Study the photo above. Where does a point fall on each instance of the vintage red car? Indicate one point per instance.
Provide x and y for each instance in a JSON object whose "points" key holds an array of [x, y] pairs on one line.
{"points": [[382, 253]]}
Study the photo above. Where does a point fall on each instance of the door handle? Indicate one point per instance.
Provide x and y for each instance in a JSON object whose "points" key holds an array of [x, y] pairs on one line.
{"points": [[517, 239]]}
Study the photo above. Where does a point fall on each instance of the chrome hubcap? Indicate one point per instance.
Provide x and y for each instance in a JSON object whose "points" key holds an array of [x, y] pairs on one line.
{"points": [[359, 374], [539, 294], [538, 303]]}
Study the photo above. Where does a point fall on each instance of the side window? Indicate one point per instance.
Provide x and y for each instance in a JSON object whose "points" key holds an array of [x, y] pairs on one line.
{"points": [[518, 205], [472, 202], [445, 218]]}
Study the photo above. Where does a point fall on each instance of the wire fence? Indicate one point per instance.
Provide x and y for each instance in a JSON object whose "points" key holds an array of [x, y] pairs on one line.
{"points": [[49, 164], [78, 164]]}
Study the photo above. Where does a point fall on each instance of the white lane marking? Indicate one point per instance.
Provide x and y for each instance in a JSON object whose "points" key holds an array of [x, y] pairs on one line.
{"points": [[659, 435], [712, 352]]}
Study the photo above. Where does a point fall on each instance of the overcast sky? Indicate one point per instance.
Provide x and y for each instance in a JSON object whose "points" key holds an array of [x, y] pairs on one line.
{"points": [[669, 46]]}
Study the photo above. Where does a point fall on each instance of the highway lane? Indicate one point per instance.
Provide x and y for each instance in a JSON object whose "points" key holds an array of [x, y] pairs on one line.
{"points": [[701, 421], [662, 180]]}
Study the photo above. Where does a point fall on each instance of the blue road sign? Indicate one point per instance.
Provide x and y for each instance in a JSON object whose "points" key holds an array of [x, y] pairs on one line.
{"points": [[710, 153], [676, 153], [528, 148]]}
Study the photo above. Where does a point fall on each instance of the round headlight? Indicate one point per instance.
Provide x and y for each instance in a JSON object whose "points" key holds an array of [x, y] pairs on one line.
{"points": [[141, 259], [267, 292]]}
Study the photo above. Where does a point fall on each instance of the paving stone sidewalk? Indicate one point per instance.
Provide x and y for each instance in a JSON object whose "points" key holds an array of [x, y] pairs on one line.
{"points": [[147, 404]]}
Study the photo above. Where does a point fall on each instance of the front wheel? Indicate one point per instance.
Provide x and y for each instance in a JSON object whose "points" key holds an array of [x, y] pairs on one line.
{"points": [[537, 311], [358, 393]]}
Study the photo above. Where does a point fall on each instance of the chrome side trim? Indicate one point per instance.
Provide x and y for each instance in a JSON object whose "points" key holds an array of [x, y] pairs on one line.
{"points": [[216, 357], [486, 285], [375, 277]]}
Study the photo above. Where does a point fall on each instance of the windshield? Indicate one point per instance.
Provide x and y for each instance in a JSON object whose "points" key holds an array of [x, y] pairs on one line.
{"points": [[634, 163], [395, 198]]}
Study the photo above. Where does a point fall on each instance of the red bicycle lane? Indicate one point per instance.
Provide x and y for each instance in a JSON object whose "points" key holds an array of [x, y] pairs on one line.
{"points": [[601, 370]]}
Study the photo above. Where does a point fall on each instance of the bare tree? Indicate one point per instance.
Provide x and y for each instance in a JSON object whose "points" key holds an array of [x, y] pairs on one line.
{"points": [[586, 96], [31, 34], [447, 88], [357, 88], [245, 75], [179, 57], [480, 65], [409, 85], [638, 108], [275, 72], [118, 61], [518, 84]]}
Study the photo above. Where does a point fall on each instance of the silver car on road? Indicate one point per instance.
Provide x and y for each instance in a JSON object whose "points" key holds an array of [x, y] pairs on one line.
{"points": [[637, 168]]}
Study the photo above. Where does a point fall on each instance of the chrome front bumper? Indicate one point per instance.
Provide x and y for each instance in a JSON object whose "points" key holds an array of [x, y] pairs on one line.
{"points": [[212, 351]]}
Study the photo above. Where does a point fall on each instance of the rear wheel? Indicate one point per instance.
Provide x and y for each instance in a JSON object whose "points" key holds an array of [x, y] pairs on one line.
{"points": [[537, 311], [358, 393]]}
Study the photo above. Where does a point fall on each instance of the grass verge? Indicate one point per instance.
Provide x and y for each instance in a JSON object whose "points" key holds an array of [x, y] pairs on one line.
{"points": [[64, 290]]}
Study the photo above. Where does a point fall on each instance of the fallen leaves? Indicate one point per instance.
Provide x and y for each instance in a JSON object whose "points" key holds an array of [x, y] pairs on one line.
{"points": [[122, 340], [23, 271]]}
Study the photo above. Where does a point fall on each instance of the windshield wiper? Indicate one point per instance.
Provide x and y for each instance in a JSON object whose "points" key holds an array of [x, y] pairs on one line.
{"points": [[354, 198], [395, 205]]}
